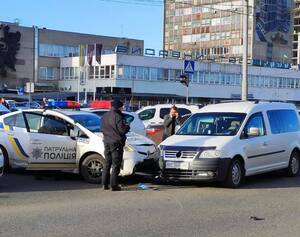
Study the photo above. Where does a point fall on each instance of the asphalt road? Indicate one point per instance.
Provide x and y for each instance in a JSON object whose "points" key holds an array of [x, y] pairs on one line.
{"points": [[61, 205]]}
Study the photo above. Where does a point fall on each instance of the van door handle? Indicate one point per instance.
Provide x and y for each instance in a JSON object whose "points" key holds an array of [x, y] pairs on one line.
{"points": [[265, 143]]}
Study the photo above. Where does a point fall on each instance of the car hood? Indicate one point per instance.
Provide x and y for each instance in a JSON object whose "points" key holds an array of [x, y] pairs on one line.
{"points": [[134, 139], [196, 141]]}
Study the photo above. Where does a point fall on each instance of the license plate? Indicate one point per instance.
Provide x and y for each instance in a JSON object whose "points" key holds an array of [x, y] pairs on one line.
{"points": [[177, 165]]}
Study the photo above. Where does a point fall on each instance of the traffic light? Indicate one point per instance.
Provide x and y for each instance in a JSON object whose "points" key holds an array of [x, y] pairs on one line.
{"points": [[184, 79]]}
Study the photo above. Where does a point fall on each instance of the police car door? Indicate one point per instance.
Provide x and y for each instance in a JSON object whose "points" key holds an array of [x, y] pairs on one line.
{"points": [[16, 139], [51, 146]]}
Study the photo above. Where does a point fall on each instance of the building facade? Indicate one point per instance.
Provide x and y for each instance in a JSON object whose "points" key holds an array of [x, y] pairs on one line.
{"points": [[213, 29], [296, 36], [38, 53], [151, 80]]}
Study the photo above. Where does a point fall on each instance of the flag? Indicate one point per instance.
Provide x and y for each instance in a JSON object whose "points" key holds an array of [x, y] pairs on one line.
{"points": [[90, 52], [81, 55], [98, 53]]}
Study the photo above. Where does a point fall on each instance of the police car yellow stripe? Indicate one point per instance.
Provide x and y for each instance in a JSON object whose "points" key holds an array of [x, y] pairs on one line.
{"points": [[8, 128], [18, 148]]}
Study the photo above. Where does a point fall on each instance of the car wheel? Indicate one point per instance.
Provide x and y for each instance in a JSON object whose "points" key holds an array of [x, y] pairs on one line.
{"points": [[293, 168], [91, 168], [6, 159], [235, 174]]}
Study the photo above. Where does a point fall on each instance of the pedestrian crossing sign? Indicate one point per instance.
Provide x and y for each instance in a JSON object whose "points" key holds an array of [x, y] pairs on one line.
{"points": [[189, 66]]}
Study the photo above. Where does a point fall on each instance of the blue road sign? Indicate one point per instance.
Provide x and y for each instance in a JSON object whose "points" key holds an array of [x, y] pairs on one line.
{"points": [[189, 66]]}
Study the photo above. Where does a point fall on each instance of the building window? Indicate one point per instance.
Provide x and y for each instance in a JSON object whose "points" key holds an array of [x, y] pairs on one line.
{"points": [[91, 72], [46, 73], [69, 73], [53, 50], [153, 73], [97, 76]]}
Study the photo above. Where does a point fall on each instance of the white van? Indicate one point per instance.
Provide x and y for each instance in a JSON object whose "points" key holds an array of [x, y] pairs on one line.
{"points": [[154, 114], [228, 141]]}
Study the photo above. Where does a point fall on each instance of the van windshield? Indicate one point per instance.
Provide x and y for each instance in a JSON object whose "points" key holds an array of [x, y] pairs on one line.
{"points": [[212, 124]]}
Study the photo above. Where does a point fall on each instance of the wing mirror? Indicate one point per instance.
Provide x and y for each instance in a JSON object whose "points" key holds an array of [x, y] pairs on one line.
{"points": [[253, 132]]}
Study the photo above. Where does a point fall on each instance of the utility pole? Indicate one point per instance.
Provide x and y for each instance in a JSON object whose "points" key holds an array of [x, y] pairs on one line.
{"points": [[245, 52]]}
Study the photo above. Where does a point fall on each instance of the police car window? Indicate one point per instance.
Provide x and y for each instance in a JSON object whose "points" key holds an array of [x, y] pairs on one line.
{"points": [[90, 121], [16, 120], [34, 121], [147, 114], [99, 113], [54, 126]]}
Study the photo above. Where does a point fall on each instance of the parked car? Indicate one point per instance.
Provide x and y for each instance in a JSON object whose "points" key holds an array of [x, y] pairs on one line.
{"points": [[227, 142], [153, 118], [131, 118], [68, 140], [154, 114]]}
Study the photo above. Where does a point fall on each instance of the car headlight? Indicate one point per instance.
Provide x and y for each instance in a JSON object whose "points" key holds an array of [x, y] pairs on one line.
{"points": [[210, 154], [128, 148], [162, 153]]}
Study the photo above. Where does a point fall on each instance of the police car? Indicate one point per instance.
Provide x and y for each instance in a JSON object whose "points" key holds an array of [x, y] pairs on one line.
{"points": [[70, 140]]}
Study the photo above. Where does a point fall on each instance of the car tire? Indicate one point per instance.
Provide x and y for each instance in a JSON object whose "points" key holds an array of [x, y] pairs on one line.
{"points": [[6, 159], [294, 165], [91, 168], [235, 174]]}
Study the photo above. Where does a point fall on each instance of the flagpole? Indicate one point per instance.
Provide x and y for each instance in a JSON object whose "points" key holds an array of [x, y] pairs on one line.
{"points": [[98, 49], [78, 81], [94, 97]]}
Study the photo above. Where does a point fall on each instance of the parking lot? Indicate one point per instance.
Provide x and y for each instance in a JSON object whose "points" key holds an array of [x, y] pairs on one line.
{"points": [[60, 204]]}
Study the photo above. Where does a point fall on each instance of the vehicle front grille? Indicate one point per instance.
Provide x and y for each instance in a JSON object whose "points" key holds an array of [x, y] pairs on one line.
{"points": [[178, 174], [180, 154]]}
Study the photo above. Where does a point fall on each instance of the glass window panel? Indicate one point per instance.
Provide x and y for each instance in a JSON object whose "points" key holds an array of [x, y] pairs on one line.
{"points": [[97, 72]]}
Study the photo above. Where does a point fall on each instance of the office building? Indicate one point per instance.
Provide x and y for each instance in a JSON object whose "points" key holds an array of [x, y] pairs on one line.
{"points": [[37, 52], [213, 29]]}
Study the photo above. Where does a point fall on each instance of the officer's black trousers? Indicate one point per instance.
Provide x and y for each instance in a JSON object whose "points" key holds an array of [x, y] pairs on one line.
{"points": [[113, 156]]}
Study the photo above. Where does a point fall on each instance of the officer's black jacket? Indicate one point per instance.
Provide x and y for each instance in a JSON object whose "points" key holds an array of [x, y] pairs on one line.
{"points": [[113, 127]]}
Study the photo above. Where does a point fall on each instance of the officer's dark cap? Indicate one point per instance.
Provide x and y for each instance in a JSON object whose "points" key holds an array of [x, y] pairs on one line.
{"points": [[117, 104]]}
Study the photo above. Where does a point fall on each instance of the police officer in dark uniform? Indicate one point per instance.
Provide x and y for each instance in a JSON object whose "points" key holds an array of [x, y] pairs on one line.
{"points": [[114, 131]]}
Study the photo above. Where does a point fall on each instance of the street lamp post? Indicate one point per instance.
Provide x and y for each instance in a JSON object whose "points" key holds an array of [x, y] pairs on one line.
{"points": [[245, 53]]}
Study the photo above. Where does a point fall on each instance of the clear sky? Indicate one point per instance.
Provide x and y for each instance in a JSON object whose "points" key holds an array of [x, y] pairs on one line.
{"points": [[89, 16]]}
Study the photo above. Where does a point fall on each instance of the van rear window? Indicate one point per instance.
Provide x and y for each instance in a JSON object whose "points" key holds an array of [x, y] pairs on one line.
{"points": [[283, 121]]}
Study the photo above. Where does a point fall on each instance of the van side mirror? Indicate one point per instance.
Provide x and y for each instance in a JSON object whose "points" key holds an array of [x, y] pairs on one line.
{"points": [[253, 132]]}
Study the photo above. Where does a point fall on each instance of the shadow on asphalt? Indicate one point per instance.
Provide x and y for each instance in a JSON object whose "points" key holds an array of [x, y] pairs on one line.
{"points": [[29, 181]]}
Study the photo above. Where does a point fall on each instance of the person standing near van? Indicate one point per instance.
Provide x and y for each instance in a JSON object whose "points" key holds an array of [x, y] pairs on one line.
{"points": [[114, 131], [171, 120]]}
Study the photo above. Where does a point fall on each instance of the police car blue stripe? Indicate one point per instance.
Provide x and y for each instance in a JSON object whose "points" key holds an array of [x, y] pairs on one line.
{"points": [[20, 148]]}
